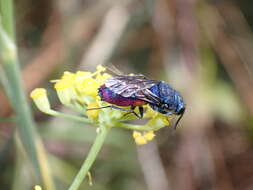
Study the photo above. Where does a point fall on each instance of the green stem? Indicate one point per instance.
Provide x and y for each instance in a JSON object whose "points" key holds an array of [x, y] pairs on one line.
{"points": [[90, 158], [12, 82], [6, 10], [71, 117], [17, 97], [137, 127]]}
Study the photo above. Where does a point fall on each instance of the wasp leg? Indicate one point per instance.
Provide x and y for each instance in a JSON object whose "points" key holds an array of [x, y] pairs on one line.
{"points": [[117, 108], [126, 110], [132, 108], [131, 111], [141, 110]]}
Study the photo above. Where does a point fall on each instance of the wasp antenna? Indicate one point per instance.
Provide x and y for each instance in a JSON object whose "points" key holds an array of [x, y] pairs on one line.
{"points": [[180, 117]]}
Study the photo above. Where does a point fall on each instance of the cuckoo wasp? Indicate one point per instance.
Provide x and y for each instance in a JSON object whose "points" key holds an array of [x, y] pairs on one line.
{"points": [[136, 91]]}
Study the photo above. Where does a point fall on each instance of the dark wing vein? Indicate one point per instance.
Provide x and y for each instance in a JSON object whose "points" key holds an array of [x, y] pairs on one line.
{"points": [[151, 97]]}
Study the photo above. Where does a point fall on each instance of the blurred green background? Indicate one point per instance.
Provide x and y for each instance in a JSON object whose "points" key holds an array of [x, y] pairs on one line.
{"points": [[202, 48]]}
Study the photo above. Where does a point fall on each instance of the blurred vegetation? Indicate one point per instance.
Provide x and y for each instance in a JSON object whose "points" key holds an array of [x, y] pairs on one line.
{"points": [[203, 48]]}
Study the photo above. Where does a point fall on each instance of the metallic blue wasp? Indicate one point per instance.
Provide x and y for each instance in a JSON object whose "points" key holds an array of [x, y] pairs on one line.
{"points": [[137, 90]]}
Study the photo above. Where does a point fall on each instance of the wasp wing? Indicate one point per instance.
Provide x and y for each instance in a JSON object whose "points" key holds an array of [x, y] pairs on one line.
{"points": [[136, 86], [150, 97], [128, 86]]}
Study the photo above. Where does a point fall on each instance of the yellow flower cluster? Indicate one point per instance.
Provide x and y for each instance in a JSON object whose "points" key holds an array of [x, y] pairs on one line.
{"points": [[79, 91], [143, 138], [80, 87], [76, 90]]}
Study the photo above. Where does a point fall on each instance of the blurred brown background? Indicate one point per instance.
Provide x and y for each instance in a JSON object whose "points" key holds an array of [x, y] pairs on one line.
{"points": [[203, 48]]}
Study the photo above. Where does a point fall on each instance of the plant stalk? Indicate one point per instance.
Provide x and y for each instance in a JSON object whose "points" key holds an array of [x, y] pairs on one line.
{"points": [[83, 172], [14, 89]]}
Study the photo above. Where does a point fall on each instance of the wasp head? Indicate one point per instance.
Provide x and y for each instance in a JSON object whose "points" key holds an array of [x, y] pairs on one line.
{"points": [[176, 105], [171, 102], [171, 105]]}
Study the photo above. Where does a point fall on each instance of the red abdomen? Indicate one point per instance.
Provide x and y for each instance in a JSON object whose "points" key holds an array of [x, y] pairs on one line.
{"points": [[109, 96]]}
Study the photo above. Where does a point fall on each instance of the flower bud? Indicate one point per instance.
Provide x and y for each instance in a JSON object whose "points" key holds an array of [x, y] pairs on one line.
{"points": [[65, 91], [139, 138], [39, 96], [149, 135], [136, 134], [37, 187], [100, 68]]}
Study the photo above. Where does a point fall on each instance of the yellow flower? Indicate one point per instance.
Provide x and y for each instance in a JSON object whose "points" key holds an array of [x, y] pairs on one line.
{"points": [[39, 96], [80, 78], [100, 68], [89, 87], [37, 187], [102, 77], [68, 76], [65, 91], [92, 113], [140, 140], [63, 84], [149, 135], [136, 134], [80, 87]]}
